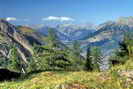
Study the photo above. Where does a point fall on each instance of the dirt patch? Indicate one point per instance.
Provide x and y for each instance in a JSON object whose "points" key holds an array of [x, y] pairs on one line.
{"points": [[48, 73], [75, 85], [103, 77], [128, 75]]}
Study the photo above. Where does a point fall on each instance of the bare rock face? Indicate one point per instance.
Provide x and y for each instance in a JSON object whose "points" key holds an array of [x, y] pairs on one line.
{"points": [[11, 36]]}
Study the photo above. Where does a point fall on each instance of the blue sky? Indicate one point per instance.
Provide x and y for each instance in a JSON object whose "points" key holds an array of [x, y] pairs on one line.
{"points": [[75, 11]]}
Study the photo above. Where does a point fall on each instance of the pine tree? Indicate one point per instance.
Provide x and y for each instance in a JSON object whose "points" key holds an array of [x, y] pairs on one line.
{"points": [[76, 49], [128, 41], [15, 62], [77, 61], [89, 65], [94, 58], [52, 38], [125, 50], [50, 56]]}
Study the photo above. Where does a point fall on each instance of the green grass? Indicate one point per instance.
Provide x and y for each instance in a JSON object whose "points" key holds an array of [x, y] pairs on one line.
{"points": [[74, 80]]}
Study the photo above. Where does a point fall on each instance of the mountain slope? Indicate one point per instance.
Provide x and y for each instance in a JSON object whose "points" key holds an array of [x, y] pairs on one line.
{"points": [[76, 32], [108, 34], [11, 36], [31, 34], [68, 32]]}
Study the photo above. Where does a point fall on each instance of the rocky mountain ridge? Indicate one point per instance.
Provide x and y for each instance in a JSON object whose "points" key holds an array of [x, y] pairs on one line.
{"points": [[11, 36]]}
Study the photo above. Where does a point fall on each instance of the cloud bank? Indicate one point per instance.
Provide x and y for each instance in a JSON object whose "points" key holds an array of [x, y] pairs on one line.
{"points": [[16, 19], [11, 19], [58, 18]]}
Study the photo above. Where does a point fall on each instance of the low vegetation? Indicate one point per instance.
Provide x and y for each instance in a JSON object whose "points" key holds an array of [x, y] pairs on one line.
{"points": [[112, 79]]}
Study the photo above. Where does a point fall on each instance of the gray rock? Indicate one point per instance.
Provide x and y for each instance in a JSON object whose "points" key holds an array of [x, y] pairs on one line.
{"points": [[9, 35]]}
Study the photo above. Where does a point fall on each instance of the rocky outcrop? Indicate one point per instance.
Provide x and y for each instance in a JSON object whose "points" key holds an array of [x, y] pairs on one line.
{"points": [[9, 35], [10, 32]]}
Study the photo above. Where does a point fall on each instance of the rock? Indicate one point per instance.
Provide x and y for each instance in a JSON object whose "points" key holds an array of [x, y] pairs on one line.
{"points": [[75, 85], [10, 32]]}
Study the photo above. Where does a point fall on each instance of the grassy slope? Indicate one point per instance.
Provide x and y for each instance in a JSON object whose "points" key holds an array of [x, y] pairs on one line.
{"points": [[74, 80], [26, 30]]}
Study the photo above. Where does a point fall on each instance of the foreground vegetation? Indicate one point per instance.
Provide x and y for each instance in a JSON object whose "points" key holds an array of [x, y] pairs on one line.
{"points": [[112, 79]]}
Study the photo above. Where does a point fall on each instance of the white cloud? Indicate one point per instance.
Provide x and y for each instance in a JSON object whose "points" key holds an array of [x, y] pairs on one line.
{"points": [[26, 20], [58, 18], [16, 19], [11, 19]]}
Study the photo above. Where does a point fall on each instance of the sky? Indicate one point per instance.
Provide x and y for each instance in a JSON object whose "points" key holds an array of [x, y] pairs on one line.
{"points": [[69, 11]]}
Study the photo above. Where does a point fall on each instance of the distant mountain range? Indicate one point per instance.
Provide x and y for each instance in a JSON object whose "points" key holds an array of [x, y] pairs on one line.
{"points": [[68, 32], [106, 35], [109, 34]]}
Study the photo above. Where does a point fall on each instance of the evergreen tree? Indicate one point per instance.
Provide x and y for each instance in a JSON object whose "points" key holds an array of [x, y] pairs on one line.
{"points": [[89, 65], [52, 38], [125, 50], [77, 61], [15, 62], [50, 56], [10, 57], [49, 59], [128, 41], [94, 58], [76, 49]]}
